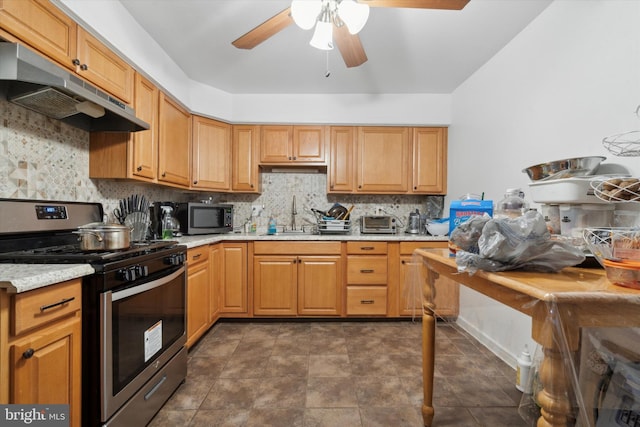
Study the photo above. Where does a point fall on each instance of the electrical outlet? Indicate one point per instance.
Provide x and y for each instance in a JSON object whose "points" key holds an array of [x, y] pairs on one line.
{"points": [[377, 210], [256, 210]]}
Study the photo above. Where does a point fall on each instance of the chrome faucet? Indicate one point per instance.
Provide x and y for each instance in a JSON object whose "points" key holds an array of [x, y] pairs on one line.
{"points": [[294, 212]]}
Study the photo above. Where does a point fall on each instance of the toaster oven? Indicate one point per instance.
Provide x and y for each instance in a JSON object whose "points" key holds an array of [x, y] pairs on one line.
{"points": [[377, 225]]}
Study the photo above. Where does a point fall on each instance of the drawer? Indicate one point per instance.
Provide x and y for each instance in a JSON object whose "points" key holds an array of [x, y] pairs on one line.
{"points": [[407, 248], [199, 254], [367, 248], [366, 300], [44, 305], [287, 247], [367, 270]]}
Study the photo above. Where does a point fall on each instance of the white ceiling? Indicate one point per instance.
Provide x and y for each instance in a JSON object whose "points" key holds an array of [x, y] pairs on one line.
{"points": [[409, 50]]}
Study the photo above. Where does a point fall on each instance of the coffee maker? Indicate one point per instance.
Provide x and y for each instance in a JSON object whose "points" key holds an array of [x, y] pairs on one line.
{"points": [[155, 214]]}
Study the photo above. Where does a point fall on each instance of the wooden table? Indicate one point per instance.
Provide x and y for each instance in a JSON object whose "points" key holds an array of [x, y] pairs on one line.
{"points": [[560, 304]]}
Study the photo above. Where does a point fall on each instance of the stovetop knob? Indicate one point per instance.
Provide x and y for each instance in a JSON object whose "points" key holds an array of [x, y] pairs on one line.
{"points": [[175, 259]]}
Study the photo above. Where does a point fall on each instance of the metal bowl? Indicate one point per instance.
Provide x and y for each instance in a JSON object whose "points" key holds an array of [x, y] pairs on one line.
{"points": [[566, 168]]}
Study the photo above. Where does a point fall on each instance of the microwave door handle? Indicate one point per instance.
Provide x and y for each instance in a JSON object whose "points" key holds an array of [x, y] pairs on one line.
{"points": [[134, 290]]}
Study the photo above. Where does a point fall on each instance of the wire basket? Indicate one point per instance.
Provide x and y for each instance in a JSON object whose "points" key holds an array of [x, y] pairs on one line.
{"points": [[625, 144], [613, 243], [334, 226], [617, 189]]}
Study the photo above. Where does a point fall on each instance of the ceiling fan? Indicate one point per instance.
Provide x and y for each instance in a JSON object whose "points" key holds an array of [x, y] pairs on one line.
{"points": [[329, 14]]}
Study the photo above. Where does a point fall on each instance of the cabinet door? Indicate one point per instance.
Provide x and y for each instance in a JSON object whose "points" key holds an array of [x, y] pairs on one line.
{"points": [[430, 160], [197, 301], [233, 293], [275, 144], [320, 286], [46, 367], [341, 160], [215, 268], [412, 274], [382, 159], [174, 136], [103, 67], [211, 154], [144, 149], [275, 285], [309, 144], [245, 170], [42, 26]]}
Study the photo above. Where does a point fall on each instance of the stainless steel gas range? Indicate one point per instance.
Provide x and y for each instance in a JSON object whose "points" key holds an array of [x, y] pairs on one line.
{"points": [[133, 309]]}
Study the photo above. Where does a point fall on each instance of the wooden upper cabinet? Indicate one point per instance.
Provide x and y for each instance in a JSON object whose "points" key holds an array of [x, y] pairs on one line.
{"points": [[429, 160], [101, 66], [383, 159], [174, 143], [341, 177], [245, 173], [211, 146], [144, 149], [42, 26], [47, 29], [293, 145]]}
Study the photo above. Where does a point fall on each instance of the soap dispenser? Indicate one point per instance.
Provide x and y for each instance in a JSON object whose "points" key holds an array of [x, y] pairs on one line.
{"points": [[271, 229]]}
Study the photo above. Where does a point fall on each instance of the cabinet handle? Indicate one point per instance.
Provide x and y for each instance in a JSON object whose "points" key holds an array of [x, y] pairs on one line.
{"points": [[84, 67], [289, 157], [366, 301], [366, 248], [195, 182], [55, 304], [139, 168], [366, 271], [415, 188], [403, 262], [164, 174], [75, 62], [251, 185], [294, 157], [28, 353], [196, 256]]}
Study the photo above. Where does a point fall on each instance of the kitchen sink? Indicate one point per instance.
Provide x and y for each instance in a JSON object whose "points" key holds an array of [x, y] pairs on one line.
{"points": [[303, 232]]}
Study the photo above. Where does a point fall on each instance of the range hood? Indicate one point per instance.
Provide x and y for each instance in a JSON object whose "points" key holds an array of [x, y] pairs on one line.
{"points": [[32, 81]]}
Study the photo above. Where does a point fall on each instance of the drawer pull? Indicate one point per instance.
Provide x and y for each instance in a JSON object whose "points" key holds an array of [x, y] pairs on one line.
{"points": [[367, 301], [28, 353], [366, 248], [196, 256], [55, 304], [366, 271]]}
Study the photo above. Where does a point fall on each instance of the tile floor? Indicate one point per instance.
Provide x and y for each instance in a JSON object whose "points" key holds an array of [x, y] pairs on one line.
{"points": [[338, 374]]}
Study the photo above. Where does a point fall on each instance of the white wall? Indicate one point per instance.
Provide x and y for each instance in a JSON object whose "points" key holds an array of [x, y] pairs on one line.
{"points": [[566, 81], [111, 22]]}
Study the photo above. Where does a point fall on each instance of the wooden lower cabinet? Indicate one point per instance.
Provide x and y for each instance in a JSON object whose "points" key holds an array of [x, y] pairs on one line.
{"points": [[297, 278], [366, 300], [412, 275], [41, 356], [234, 300], [198, 289]]}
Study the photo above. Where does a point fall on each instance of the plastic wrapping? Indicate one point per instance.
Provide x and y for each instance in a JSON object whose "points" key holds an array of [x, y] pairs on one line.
{"points": [[586, 331], [501, 244]]}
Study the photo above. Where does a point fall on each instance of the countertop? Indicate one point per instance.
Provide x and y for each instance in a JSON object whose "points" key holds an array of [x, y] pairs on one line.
{"points": [[18, 278]]}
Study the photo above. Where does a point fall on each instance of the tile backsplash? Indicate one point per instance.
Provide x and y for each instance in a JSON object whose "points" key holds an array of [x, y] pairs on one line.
{"points": [[42, 158]]}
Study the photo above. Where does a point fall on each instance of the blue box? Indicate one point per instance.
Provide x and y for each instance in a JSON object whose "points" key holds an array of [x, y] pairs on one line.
{"points": [[462, 210]]}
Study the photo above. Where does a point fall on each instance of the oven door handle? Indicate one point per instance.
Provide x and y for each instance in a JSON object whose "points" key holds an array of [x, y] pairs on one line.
{"points": [[134, 290]]}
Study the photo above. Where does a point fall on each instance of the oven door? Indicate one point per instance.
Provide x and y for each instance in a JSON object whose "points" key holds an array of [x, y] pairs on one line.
{"points": [[142, 327]]}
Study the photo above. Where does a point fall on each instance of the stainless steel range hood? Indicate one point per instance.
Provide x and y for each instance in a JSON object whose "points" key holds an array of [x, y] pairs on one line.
{"points": [[30, 80]]}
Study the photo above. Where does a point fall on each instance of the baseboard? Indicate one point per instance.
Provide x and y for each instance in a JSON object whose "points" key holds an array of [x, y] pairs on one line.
{"points": [[488, 342]]}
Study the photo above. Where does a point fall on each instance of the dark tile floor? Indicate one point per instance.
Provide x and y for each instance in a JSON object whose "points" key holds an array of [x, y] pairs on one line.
{"points": [[338, 374]]}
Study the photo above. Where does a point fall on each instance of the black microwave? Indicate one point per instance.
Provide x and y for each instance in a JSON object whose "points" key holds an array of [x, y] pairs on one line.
{"points": [[204, 218]]}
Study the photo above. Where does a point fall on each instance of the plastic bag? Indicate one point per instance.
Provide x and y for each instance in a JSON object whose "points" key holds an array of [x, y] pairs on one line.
{"points": [[511, 243]]}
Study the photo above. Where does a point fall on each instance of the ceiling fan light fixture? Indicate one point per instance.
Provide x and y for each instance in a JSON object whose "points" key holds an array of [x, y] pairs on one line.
{"points": [[354, 15], [305, 12], [323, 36]]}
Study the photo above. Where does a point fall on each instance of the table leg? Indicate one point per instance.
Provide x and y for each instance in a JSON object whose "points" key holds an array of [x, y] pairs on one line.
{"points": [[428, 346], [555, 406]]}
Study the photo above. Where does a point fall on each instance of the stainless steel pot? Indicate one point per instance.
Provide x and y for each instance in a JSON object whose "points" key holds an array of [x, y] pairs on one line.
{"points": [[100, 236], [566, 168]]}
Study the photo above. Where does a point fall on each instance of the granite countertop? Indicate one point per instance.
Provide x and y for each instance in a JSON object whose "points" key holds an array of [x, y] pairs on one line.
{"points": [[18, 278], [195, 241]]}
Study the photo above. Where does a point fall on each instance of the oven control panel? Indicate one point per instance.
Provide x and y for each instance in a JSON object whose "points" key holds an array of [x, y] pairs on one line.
{"points": [[51, 212]]}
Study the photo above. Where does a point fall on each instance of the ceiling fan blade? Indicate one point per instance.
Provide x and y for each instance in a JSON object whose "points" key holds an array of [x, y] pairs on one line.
{"points": [[418, 4], [265, 30], [350, 46]]}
